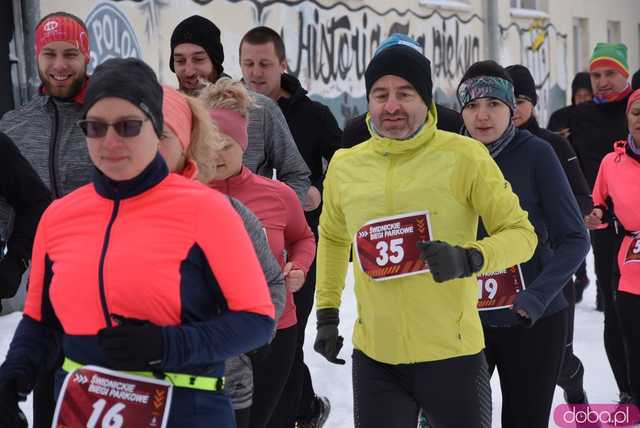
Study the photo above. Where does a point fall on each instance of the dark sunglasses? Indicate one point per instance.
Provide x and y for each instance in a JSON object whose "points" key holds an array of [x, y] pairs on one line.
{"points": [[124, 128]]}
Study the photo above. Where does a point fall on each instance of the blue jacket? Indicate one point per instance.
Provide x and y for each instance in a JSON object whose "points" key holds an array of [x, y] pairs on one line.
{"points": [[536, 176]]}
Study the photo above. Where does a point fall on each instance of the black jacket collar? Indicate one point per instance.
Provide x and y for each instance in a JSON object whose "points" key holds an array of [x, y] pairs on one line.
{"points": [[153, 174], [531, 125]]}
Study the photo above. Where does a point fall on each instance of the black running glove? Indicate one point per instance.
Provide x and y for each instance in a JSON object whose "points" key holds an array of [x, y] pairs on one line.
{"points": [[10, 414], [11, 270], [328, 343], [133, 344], [447, 262]]}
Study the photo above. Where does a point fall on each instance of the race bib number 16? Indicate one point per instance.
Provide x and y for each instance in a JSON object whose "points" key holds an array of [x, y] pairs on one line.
{"points": [[386, 247], [95, 397]]}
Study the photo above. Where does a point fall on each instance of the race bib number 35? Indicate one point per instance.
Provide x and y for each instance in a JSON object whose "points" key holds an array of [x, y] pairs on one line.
{"points": [[386, 247], [498, 290], [94, 397], [633, 254]]}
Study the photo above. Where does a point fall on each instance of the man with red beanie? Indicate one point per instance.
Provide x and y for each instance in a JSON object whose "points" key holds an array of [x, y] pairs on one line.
{"points": [[45, 132], [594, 127]]}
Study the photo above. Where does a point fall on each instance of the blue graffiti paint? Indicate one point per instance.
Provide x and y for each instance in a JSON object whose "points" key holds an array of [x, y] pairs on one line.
{"points": [[110, 35]]}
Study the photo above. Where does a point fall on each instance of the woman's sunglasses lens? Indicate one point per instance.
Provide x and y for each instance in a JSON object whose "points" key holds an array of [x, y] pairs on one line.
{"points": [[128, 128], [93, 129], [124, 128]]}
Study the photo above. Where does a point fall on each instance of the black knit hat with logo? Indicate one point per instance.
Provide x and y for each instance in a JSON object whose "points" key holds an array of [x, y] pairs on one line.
{"points": [[130, 79], [202, 32], [402, 61]]}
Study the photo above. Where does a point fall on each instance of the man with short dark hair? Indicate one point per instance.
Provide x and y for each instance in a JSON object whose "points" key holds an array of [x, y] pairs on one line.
{"points": [[197, 57], [264, 69]]}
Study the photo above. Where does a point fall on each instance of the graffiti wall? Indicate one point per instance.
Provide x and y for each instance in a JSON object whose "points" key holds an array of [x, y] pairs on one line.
{"points": [[328, 47], [535, 43]]}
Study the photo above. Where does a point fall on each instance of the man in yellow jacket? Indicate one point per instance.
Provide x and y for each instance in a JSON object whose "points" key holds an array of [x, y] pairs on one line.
{"points": [[409, 199]]}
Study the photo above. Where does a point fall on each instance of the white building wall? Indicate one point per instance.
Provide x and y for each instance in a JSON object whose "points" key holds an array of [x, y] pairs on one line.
{"points": [[329, 43]]}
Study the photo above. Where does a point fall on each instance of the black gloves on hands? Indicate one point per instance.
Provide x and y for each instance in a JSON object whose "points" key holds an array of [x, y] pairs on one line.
{"points": [[132, 345], [328, 343], [10, 414], [447, 262], [11, 270]]}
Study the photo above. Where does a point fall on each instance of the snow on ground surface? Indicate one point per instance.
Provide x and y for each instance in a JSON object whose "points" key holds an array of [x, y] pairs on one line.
{"points": [[335, 381]]}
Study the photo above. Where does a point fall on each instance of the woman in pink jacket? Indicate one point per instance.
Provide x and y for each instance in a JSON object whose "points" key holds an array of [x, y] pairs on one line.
{"points": [[616, 193], [290, 239]]}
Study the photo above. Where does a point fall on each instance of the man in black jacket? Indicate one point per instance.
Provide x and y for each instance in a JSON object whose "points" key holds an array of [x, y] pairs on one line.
{"points": [[581, 92], [594, 127], [572, 373], [23, 199], [316, 133]]}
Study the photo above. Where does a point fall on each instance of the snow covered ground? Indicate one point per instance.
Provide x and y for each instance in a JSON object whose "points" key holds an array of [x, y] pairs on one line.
{"points": [[335, 381]]}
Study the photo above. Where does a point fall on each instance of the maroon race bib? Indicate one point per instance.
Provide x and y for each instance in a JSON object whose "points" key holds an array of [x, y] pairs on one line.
{"points": [[633, 254], [386, 247], [95, 397], [498, 290]]}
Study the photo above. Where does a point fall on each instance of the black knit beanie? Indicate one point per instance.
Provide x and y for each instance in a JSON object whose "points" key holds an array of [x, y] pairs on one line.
{"points": [[402, 61], [202, 32], [523, 84], [130, 79], [582, 80], [486, 68]]}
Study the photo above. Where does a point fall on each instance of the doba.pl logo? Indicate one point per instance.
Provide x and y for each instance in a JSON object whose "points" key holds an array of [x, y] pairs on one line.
{"points": [[596, 415]]}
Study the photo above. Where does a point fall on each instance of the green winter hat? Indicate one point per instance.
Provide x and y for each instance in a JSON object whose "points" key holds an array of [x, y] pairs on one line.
{"points": [[612, 55]]}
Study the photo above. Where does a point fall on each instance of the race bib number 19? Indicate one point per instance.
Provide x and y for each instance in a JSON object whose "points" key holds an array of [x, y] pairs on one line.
{"points": [[386, 247], [498, 290], [94, 397]]}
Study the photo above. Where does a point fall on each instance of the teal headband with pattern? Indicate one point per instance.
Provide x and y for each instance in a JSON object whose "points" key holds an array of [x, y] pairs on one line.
{"points": [[486, 87]]}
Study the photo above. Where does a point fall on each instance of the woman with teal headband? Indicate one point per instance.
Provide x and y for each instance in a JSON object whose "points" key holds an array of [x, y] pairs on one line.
{"points": [[523, 311]]}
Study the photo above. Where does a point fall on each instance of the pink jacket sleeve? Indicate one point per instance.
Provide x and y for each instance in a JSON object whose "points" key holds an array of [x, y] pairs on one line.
{"points": [[600, 188], [298, 237]]}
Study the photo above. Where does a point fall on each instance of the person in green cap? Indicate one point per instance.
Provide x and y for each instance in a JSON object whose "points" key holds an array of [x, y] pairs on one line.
{"points": [[594, 128]]}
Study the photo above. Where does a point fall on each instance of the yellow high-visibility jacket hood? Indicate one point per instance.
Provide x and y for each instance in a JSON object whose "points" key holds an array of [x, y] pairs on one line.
{"points": [[414, 319]]}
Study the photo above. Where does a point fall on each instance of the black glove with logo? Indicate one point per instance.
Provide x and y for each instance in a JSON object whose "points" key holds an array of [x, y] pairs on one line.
{"points": [[133, 344], [328, 343], [10, 414], [447, 262]]}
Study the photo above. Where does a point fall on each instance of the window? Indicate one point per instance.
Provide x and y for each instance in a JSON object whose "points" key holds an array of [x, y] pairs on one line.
{"points": [[454, 5], [613, 32], [525, 4], [580, 44]]}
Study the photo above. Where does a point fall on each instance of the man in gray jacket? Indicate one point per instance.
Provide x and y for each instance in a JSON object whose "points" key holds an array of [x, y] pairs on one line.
{"points": [[45, 128], [45, 132], [196, 58]]}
